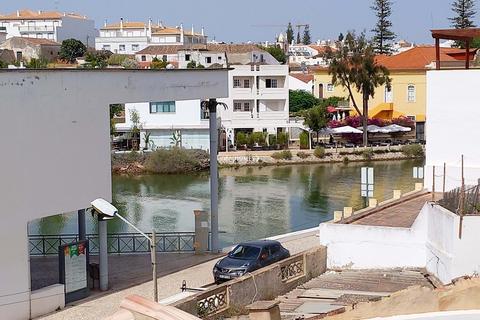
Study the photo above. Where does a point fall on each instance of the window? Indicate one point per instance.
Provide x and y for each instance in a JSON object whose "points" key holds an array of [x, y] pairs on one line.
{"points": [[237, 106], [121, 47], [164, 57], [236, 83], [106, 47], [271, 83], [144, 58], [187, 57], [162, 107], [219, 58], [135, 47], [204, 114], [274, 249], [208, 59], [330, 87], [246, 83], [246, 106], [413, 118], [411, 93]]}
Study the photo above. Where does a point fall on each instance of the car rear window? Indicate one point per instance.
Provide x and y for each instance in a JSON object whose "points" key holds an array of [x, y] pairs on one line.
{"points": [[245, 252]]}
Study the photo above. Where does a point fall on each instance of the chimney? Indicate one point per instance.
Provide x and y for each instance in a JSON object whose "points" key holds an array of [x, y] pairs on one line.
{"points": [[105, 23], [18, 13], [64, 14], [203, 31], [39, 11], [150, 25], [193, 31], [121, 24], [161, 25], [181, 33]]}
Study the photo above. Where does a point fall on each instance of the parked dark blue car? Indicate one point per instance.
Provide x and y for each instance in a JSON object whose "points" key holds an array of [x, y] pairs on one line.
{"points": [[247, 257]]}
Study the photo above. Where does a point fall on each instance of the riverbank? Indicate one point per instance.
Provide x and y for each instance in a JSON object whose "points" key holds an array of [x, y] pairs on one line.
{"points": [[175, 161]]}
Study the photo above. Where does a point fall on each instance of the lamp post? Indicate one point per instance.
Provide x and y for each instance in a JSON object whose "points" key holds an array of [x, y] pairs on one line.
{"points": [[107, 211], [211, 106]]}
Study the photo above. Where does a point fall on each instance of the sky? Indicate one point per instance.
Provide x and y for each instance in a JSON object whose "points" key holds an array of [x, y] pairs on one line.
{"points": [[259, 20]]}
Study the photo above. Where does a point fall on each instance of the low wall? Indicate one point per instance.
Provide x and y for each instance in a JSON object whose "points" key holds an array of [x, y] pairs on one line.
{"points": [[356, 246], [264, 284], [47, 300], [444, 315]]}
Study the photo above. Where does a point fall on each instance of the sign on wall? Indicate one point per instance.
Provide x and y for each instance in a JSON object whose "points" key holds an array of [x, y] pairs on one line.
{"points": [[73, 270]]}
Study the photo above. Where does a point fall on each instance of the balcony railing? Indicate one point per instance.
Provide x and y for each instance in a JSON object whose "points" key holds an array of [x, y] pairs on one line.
{"points": [[25, 29]]}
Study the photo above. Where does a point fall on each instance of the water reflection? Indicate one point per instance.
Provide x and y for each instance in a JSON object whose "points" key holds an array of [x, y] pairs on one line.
{"points": [[253, 202]]}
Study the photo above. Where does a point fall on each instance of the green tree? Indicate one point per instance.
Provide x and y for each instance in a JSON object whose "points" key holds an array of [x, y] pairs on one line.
{"points": [[301, 100], [299, 40], [383, 34], [158, 64], [341, 37], [3, 64], [464, 15], [277, 53], [71, 49], [130, 63], [96, 59], [289, 33], [115, 111], [307, 39], [316, 119], [353, 66], [40, 63], [194, 65]]}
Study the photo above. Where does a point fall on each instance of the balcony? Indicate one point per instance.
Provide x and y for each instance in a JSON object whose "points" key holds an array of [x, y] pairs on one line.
{"points": [[27, 29]]}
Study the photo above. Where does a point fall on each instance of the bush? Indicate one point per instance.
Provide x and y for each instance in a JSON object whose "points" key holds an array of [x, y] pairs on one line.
{"points": [[117, 59], [346, 159], [282, 155], [304, 140], [319, 152], [367, 154], [413, 150], [130, 64], [272, 140], [303, 155], [241, 139], [177, 160], [256, 138], [283, 139]]}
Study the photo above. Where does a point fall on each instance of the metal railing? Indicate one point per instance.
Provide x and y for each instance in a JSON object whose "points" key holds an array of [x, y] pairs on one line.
{"points": [[118, 243], [463, 203]]}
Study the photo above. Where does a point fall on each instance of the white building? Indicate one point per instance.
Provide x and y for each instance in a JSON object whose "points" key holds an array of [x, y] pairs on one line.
{"points": [[127, 37], [307, 55], [257, 96], [50, 25], [301, 81]]}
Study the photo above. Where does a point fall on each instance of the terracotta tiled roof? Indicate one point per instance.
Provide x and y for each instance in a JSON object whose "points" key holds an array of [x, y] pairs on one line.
{"points": [[303, 77], [321, 49], [418, 58], [35, 41], [228, 48], [39, 15]]}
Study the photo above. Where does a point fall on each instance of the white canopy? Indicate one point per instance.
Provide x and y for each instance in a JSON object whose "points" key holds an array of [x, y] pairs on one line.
{"points": [[345, 129], [395, 128], [371, 128]]}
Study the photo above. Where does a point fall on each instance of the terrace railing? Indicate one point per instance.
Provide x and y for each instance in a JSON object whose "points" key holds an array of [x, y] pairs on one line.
{"points": [[118, 243], [462, 203]]}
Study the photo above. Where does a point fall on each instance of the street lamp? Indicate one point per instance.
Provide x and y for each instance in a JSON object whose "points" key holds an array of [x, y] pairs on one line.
{"points": [[107, 211]]}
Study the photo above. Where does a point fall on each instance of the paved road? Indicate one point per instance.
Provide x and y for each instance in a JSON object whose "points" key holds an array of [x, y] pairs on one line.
{"points": [[196, 276]]}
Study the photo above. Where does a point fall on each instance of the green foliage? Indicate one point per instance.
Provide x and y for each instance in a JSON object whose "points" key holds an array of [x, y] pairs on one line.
{"points": [[135, 119], [413, 150], [345, 160], [40, 63], [176, 160], [176, 139], [194, 65], [272, 140], [117, 59], [307, 39], [241, 139], [130, 64], [158, 64], [71, 49], [277, 53], [303, 155], [304, 144], [115, 111], [301, 100], [464, 14], [282, 139], [282, 155], [257, 138], [290, 33], [96, 59], [332, 101], [383, 36], [3, 64], [316, 119], [367, 154], [319, 152]]}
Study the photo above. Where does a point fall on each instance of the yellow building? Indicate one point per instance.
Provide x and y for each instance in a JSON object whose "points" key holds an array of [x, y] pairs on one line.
{"points": [[407, 96]]}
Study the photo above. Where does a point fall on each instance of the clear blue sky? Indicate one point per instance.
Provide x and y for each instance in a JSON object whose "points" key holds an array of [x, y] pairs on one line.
{"points": [[232, 21]]}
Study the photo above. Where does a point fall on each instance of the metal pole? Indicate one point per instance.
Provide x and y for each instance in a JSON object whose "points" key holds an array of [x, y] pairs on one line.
{"points": [[103, 254], [212, 106], [433, 185], [153, 248], [81, 225]]}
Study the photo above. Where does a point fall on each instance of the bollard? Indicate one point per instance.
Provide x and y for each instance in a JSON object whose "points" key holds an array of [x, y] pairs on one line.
{"points": [[418, 186], [347, 212], [201, 231], [397, 194], [372, 203], [337, 216]]}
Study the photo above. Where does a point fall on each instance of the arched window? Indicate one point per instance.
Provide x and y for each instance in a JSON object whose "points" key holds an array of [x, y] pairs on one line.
{"points": [[411, 93]]}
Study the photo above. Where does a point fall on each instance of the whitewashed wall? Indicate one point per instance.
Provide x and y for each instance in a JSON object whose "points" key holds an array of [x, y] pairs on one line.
{"points": [[55, 125], [452, 127]]}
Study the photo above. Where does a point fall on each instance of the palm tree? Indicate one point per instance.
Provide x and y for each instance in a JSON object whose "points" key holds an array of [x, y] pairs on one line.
{"points": [[353, 66]]}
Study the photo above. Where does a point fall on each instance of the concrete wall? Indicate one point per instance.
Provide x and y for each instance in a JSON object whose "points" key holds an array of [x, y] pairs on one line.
{"points": [[452, 128], [444, 315], [56, 129], [48, 300]]}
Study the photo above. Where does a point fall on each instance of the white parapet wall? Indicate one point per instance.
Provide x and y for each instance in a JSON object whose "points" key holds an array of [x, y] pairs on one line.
{"points": [[452, 126], [47, 300], [433, 242]]}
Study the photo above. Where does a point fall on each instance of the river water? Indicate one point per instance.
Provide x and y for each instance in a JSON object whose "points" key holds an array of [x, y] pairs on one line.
{"points": [[253, 202]]}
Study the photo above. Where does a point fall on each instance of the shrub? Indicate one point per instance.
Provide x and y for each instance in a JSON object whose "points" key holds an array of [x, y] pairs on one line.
{"points": [[130, 64], [283, 139], [256, 138], [303, 155], [346, 159], [272, 140], [413, 150], [367, 154], [304, 140], [117, 59], [282, 155], [319, 152], [241, 139], [176, 160]]}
